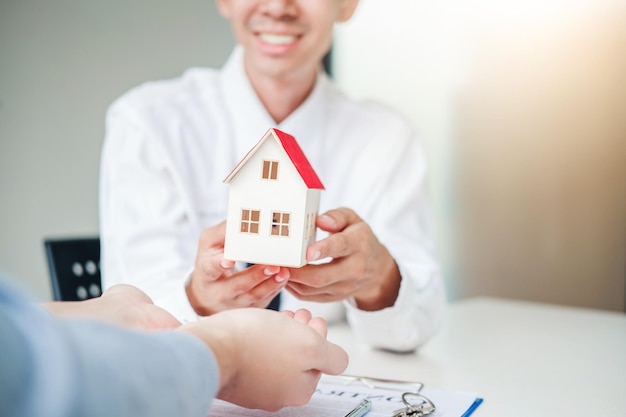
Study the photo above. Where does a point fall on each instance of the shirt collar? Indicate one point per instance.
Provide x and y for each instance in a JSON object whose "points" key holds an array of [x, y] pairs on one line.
{"points": [[250, 120]]}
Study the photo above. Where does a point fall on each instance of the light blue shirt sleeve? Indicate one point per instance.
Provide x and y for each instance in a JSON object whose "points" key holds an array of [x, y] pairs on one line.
{"points": [[52, 367]]}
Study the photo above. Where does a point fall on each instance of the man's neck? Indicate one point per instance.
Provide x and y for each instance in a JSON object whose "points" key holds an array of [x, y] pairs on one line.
{"points": [[282, 96]]}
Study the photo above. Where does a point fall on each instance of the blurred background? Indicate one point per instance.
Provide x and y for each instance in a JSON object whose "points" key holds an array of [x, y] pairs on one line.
{"points": [[521, 106]]}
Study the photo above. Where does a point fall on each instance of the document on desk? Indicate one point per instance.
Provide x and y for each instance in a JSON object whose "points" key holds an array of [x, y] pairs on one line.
{"points": [[337, 396]]}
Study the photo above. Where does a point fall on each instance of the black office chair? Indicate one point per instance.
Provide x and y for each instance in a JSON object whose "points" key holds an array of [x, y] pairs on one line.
{"points": [[74, 266]]}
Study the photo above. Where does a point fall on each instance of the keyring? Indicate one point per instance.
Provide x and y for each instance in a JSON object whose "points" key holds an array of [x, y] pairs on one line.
{"points": [[414, 408]]}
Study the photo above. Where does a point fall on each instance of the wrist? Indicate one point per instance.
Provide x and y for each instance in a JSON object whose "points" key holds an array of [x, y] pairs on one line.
{"points": [[386, 293], [220, 340]]}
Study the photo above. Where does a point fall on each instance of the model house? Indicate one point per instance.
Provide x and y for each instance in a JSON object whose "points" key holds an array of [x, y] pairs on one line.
{"points": [[273, 202]]}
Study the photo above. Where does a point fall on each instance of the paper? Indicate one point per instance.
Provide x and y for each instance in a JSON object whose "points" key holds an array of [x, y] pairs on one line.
{"points": [[336, 396]]}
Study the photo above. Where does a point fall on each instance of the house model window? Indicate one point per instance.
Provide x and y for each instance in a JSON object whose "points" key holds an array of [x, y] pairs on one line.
{"points": [[280, 224], [270, 170], [250, 221], [271, 217]]}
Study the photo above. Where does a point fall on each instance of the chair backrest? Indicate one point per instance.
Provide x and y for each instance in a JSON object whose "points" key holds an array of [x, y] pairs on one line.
{"points": [[74, 266]]}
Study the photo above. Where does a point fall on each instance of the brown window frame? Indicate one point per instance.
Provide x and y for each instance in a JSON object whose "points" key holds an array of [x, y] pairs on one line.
{"points": [[280, 224], [270, 170], [250, 221]]}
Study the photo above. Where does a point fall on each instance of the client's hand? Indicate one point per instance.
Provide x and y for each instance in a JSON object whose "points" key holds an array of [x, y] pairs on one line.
{"points": [[269, 360], [121, 304]]}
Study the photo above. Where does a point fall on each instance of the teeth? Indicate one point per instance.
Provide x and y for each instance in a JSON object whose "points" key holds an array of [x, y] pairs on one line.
{"points": [[274, 39]]}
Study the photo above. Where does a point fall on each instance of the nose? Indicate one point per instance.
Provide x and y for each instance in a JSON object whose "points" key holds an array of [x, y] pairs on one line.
{"points": [[280, 9]]}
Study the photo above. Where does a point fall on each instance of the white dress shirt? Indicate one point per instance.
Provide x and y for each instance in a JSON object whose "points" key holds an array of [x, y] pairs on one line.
{"points": [[169, 145]]}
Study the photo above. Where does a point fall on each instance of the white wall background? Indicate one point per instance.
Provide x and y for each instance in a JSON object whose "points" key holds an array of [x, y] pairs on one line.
{"points": [[62, 62]]}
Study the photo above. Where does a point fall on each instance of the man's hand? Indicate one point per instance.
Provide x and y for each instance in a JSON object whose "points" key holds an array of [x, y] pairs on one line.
{"points": [[361, 267], [215, 286], [122, 304], [268, 360]]}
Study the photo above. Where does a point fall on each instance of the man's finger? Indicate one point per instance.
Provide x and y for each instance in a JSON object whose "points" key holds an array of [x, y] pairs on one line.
{"points": [[334, 246], [337, 219]]}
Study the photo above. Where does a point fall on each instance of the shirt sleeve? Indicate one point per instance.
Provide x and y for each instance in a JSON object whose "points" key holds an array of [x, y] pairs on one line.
{"points": [[416, 315], [149, 234], [67, 368]]}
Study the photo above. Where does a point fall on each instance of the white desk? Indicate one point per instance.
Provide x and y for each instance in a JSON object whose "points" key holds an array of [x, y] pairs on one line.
{"points": [[524, 359]]}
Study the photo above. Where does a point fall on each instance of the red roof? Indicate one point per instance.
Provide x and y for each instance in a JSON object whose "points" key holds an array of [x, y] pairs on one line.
{"points": [[297, 157]]}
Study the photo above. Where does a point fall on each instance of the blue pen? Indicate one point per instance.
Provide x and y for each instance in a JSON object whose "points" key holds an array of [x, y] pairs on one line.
{"points": [[361, 409]]}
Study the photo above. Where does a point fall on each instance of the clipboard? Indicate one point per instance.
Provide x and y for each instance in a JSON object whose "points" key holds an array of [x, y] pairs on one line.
{"points": [[408, 387], [338, 395]]}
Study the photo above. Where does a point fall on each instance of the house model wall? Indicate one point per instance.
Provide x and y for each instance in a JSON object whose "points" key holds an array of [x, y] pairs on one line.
{"points": [[273, 202]]}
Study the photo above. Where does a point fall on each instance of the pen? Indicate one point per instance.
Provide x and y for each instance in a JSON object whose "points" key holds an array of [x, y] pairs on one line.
{"points": [[361, 409]]}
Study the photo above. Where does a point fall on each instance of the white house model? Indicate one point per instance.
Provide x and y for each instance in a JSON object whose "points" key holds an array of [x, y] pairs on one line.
{"points": [[273, 201]]}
